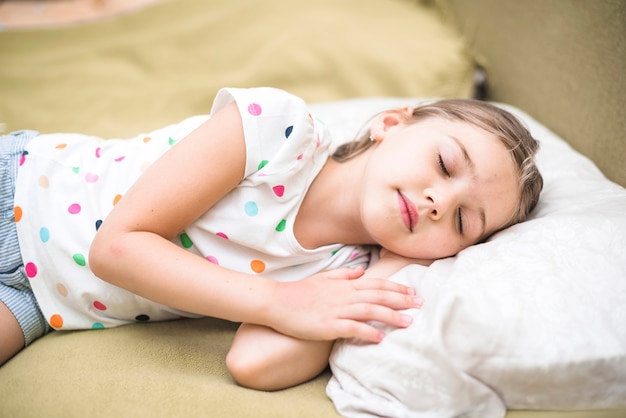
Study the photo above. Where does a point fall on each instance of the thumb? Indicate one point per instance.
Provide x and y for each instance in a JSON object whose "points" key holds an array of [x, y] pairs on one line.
{"points": [[348, 273]]}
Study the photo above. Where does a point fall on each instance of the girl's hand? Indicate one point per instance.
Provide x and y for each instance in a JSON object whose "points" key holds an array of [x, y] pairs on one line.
{"points": [[337, 304]]}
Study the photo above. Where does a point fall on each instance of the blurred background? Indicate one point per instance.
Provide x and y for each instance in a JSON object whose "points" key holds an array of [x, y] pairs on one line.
{"points": [[49, 13]]}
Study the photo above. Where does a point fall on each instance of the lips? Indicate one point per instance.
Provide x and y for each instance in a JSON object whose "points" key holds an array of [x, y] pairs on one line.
{"points": [[408, 211]]}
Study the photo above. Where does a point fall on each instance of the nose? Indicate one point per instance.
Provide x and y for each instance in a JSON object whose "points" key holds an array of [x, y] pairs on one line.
{"points": [[438, 203]]}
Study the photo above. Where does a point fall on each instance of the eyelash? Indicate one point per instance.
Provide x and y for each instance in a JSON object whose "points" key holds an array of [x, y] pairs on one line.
{"points": [[445, 171], [443, 167]]}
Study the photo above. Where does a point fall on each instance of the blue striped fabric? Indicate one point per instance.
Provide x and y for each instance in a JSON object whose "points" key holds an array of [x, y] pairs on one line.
{"points": [[15, 290]]}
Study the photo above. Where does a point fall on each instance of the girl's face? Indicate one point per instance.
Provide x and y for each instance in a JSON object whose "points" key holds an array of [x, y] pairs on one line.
{"points": [[435, 187]]}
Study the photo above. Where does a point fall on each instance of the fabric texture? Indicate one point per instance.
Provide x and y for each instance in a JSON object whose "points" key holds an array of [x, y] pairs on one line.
{"points": [[531, 319], [15, 291]]}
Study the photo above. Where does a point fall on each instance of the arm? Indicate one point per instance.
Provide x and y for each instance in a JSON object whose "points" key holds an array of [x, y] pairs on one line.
{"points": [[132, 250], [261, 358]]}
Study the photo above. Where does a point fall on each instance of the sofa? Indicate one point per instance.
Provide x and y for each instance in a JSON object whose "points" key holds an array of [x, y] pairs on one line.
{"points": [[560, 62]]}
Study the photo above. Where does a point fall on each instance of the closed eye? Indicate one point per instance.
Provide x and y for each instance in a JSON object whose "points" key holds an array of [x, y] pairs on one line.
{"points": [[443, 167], [460, 221]]}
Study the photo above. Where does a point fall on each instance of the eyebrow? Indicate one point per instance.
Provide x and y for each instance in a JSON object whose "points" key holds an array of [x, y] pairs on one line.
{"points": [[470, 163], [468, 160]]}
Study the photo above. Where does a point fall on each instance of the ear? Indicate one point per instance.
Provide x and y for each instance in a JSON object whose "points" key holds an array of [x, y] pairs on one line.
{"points": [[388, 120]]}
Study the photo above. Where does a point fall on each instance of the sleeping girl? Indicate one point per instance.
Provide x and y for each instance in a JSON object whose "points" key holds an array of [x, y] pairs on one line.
{"points": [[248, 216]]}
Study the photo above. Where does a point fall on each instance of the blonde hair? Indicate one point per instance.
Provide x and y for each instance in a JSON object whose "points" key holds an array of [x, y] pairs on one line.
{"points": [[492, 119]]}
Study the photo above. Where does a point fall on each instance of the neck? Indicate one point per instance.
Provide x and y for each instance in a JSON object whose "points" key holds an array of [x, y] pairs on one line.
{"points": [[330, 211]]}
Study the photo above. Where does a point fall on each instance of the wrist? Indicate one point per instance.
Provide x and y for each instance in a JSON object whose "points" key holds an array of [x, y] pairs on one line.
{"points": [[265, 307]]}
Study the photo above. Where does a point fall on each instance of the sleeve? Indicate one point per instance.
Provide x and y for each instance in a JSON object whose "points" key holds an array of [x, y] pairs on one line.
{"points": [[270, 117]]}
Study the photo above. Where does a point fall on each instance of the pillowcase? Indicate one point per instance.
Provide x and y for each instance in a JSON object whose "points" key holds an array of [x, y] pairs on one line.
{"points": [[532, 319]]}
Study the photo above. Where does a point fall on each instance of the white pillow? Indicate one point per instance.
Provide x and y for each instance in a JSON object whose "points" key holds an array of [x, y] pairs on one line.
{"points": [[533, 319]]}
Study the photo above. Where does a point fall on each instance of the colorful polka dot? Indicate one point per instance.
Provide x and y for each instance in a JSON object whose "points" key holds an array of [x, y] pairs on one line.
{"points": [[254, 109], [99, 305], [91, 177], [279, 190], [300, 157], [288, 131], [44, 182], [74, 208], [142, 318], [147, 139], [185, 240], [56, 321], [116, 199], [119, 159], [257, 266], [18, 213], [44, 234], [213, 260], [98, 224], [98, 151], [61, 146], [262, 164], [97, 325], [80, 259], [222, 235], [171, 141], [281, 225], [61, 289], [31, 270], [354, 255], [75, 170], [251, 208], [23, 158]]}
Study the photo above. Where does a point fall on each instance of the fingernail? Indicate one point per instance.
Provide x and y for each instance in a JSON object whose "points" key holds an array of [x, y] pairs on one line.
{"points": [[407, 320], [419, 301]]}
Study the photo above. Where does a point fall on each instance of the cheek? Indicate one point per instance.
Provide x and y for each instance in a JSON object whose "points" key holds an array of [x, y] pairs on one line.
{"points": [[430, 246], [441, 246]]}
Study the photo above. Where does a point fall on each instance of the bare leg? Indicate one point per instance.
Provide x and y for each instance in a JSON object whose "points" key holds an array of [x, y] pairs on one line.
{"points": [[261, 358], [11, 336]]}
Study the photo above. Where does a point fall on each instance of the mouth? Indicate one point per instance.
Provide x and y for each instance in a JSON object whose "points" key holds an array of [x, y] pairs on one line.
{"points": [[408, 211]]}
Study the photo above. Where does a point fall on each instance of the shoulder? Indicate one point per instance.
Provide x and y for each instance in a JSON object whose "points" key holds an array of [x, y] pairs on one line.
{"points": [[277, 126], [259, 101]]}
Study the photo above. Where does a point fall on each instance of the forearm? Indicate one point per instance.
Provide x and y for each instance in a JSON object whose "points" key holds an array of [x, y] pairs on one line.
{"points": [[261, 358], [152, 267], [326, 306]]}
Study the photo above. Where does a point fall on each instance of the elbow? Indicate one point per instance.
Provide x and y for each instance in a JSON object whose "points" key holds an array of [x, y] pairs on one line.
{"points": [[101, 256], [248, 372]]}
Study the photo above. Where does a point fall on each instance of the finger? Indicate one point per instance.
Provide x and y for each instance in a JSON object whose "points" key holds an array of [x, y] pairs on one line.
{"points": [[360, 330], [345, 273], [382, 284], [363, 312], [389, 299]]}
